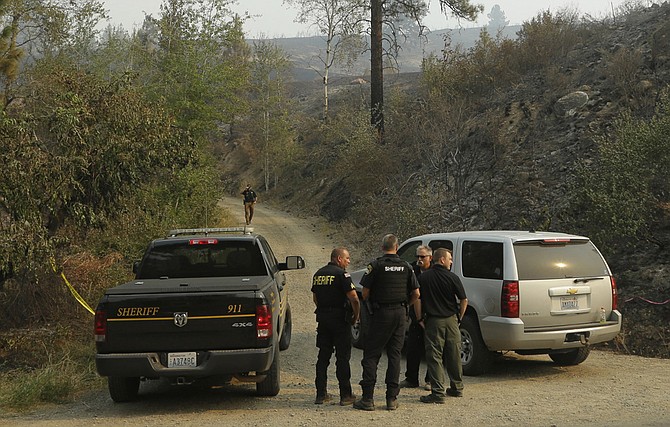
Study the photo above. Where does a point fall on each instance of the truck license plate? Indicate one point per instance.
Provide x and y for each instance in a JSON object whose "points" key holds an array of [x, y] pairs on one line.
{"points": [[569, 303], [182, 360]]}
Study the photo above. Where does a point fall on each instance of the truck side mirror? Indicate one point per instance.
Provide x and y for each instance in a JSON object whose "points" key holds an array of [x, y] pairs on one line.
{"points": [[293, 262]]}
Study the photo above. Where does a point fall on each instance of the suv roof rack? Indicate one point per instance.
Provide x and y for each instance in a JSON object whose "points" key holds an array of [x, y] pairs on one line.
{"points": [[207, 231]]}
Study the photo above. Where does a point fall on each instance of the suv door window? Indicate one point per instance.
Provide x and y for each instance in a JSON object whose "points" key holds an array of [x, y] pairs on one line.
{"points": [[408, 251], [446, 244], [482, 260], [577, 258]]}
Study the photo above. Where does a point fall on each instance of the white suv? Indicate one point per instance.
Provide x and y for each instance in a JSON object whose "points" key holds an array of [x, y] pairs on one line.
{"points": [[528, 292]]}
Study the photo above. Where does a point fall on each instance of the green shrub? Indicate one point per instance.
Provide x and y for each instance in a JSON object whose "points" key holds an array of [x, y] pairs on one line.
{"points": [[547, 37], [623, 65], [623, 197]]}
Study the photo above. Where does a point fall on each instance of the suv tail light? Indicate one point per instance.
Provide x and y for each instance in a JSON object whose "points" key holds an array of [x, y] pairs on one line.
{"points": [[263, 322], [509, 301], [100, 325], [615, 294]]}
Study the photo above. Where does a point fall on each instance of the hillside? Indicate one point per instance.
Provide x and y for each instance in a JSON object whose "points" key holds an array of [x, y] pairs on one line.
{"points": [[304, 51], [521, 144]]}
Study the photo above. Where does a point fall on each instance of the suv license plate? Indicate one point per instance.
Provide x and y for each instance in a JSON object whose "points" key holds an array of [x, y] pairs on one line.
{"points": [[182, 360], [569, 303]]}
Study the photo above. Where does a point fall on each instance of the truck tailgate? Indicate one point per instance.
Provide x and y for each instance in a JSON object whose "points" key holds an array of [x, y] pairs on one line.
{"points": [[180, 322]]}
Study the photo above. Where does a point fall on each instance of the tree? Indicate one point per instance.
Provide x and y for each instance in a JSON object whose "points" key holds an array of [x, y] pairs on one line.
{"points": [[10, 55], [383, 11], [339, 23], [497, 19], [98, 144], [268, 76], [75, 153], [200, 63], [37, 29]]}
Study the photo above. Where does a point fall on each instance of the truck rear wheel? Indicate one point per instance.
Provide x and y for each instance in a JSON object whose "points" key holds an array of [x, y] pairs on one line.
{"points": [[285, 340], [358, 331], [572, 357], [123, 389], [476, 358], [270, 385]]}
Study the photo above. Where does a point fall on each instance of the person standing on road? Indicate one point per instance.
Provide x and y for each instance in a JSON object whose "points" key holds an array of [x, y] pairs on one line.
{"points": [[440, 315], [332, 291], [415, 341], [389, 287], [250, 198]]}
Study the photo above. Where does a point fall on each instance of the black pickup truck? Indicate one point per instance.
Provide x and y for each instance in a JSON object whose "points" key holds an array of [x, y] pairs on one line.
{"points": [[205, 303]]}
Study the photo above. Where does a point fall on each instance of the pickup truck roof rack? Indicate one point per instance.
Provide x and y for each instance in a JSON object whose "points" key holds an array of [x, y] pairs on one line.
{"points": [[207, 231]]}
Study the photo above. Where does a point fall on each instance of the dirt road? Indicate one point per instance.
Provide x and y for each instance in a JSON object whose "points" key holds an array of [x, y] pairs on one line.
{"points": [[606, 390]]}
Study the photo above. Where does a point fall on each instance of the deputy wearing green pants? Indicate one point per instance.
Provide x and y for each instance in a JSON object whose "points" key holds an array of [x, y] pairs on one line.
{"points": [[443, 304]]}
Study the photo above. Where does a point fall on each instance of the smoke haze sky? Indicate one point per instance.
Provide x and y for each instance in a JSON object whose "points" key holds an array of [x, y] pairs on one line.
{"points": [[271, 18]]}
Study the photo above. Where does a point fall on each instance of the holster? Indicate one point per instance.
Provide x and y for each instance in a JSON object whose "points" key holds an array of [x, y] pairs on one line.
{"points": [[369, 306]]}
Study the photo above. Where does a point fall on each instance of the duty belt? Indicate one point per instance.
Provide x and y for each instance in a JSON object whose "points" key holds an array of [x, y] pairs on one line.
{"points": [[392, 304]]}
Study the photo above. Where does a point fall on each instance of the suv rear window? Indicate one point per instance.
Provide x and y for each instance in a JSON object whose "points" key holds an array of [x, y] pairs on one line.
{"points": [[219, 258], [538, 260]]}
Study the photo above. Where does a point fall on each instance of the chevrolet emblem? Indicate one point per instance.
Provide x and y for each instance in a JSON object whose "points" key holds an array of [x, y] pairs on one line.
{"points": [[181, 319], [572, 291]]}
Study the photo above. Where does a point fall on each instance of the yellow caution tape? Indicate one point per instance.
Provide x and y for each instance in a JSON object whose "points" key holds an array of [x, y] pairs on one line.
{"points": [[72, 289]]}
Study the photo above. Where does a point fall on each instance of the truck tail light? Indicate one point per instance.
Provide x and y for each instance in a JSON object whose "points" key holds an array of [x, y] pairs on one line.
{"points": [[263, 321], [100, 327], [509, 301], [615, 294]]}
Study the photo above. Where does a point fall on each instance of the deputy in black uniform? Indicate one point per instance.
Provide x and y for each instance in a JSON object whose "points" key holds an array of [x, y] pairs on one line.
{"points": [[389, 287], [332, 291], [415, 344], [443, 304]]}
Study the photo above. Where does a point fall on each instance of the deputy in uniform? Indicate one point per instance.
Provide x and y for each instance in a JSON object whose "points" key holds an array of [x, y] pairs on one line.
{"points": [[415, 343], [250, 198], [389, 287], [332, 291]]}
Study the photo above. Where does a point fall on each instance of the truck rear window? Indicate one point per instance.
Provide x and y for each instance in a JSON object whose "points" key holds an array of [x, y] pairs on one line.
{"points": [[539, 260], [218, 258]]}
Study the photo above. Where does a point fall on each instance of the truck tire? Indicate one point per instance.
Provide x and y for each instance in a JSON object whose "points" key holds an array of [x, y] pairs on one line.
{"points": [[476, 358], [358, 331], [270, 385], [123, 389], [572, 357], [285, 340]]}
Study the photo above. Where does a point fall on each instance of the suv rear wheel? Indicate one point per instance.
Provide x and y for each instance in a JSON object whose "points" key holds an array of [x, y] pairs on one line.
{"points": [[475, 356], [358, 330], [572, 357]]}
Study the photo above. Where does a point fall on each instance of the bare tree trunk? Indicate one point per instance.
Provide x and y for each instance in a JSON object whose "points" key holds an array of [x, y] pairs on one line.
{"points": [[376, 68], [266, 131], [326, 71], [325, 94]]}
